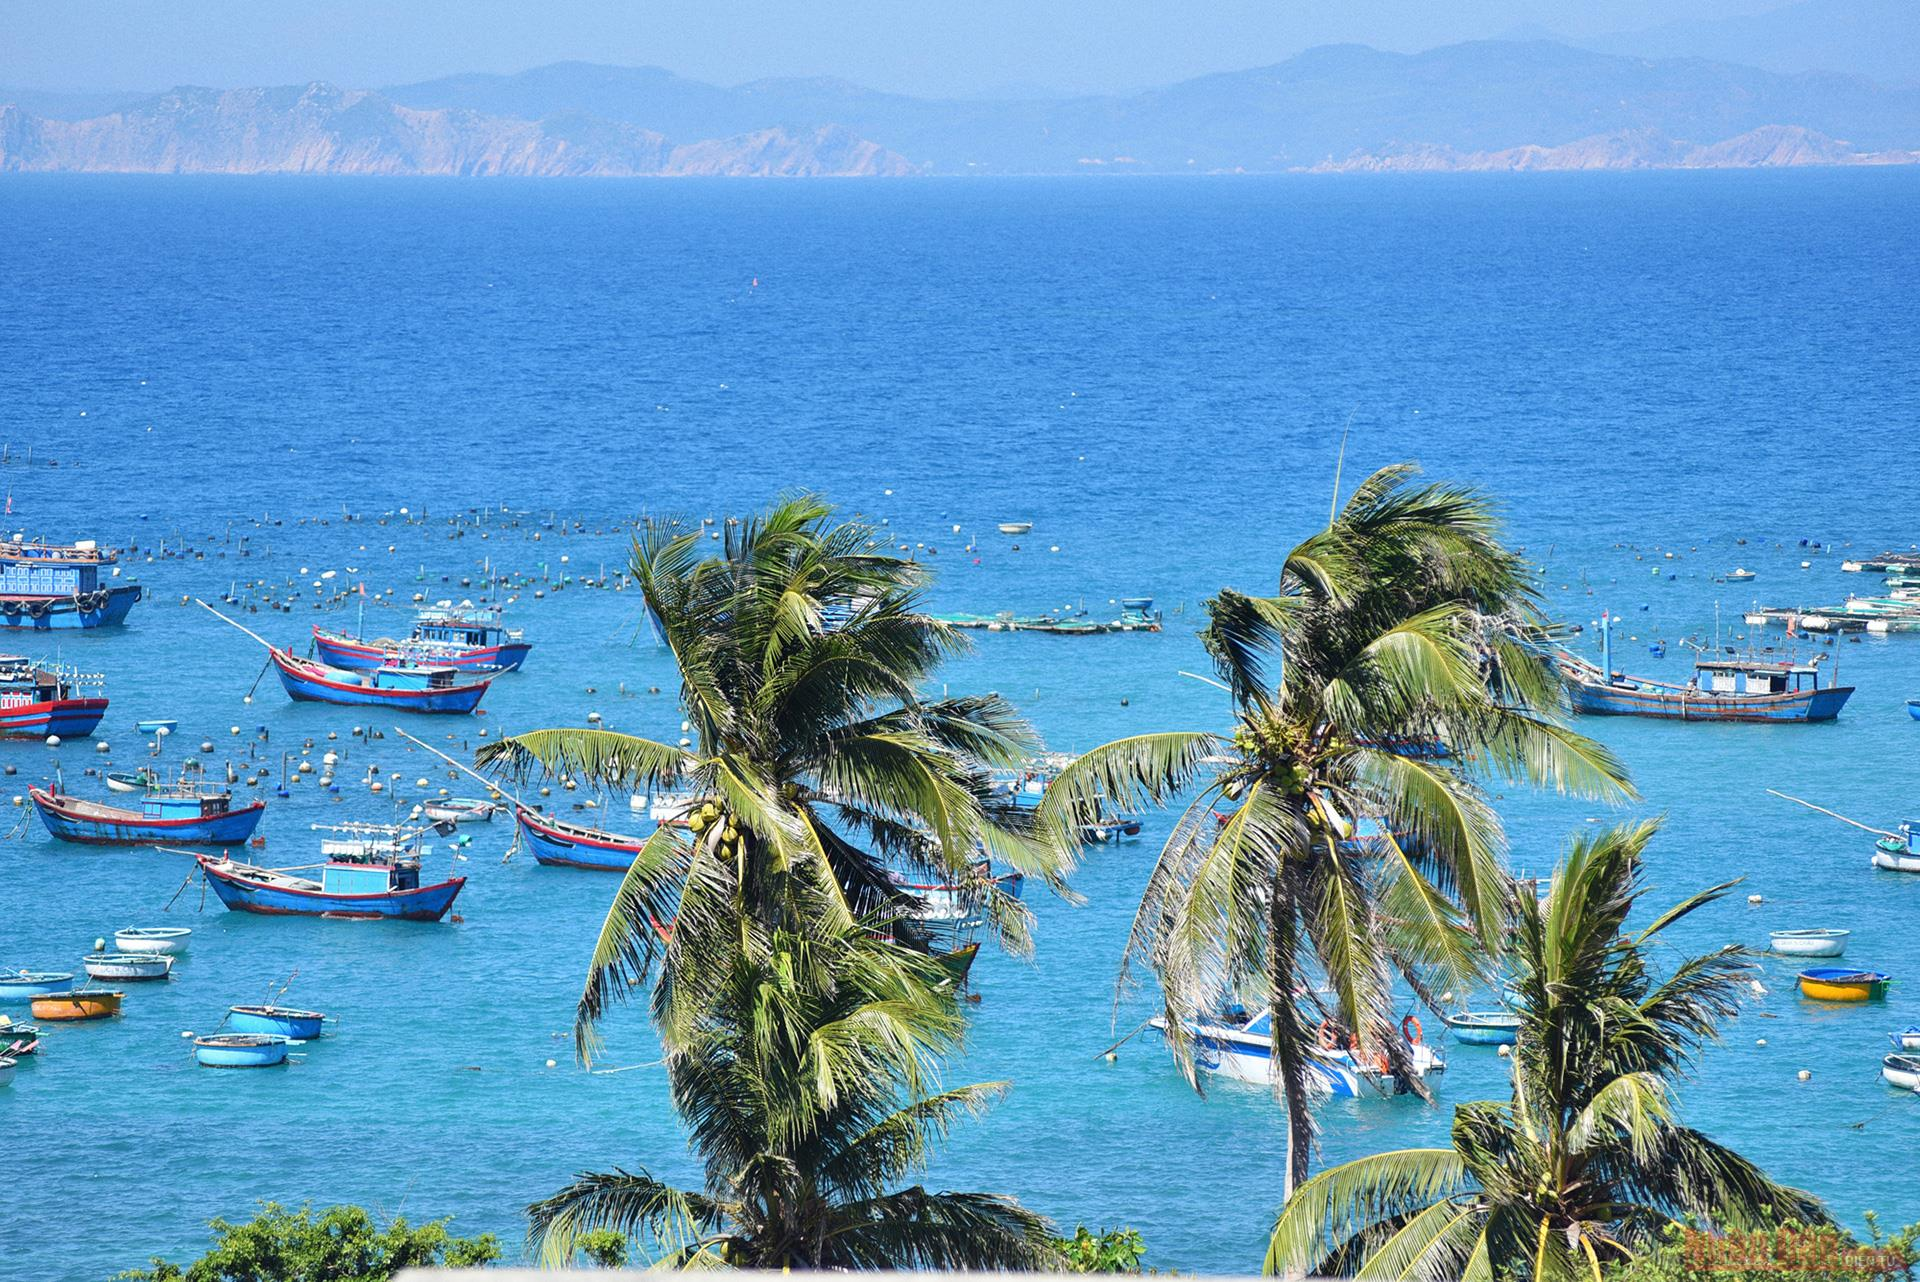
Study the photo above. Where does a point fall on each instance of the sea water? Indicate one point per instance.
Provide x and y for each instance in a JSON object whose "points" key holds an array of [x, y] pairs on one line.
{"points": [[1159, 375]]}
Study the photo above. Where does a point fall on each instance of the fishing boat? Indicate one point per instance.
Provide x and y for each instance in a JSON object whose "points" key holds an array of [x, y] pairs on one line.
{"points": [[279, 1021], [1110, 828], [77, 1004], [1235, 1045], [463, 636], [402, 686], [145, 779], [47, 586], [240, 1050], [958, 962], [1907, 1039], [954, 909], [1739, 575], [460, 810], [127, 965], [22, 985], [1809, 943], [1902, 1071], [1484, 1028], [1837, 984], [188, 813], [1899, 853], [370, 871], [670, 809], [1751, 689], [17, 1040], [151, 939], [41, 699], [558, 843]]}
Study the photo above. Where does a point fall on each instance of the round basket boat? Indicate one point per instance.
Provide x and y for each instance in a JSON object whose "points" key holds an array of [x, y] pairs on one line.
{"points": [[1809, 943], [18, 1040], [128, 965], [78, 1004], [1825, 983], [240, 1050], [20, 985], [1484, 1028], [152, 939], [282, 1021]]}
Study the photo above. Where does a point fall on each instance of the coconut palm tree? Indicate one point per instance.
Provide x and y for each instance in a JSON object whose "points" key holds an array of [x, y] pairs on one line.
{"points": [[1586, 1163], [1345, 835], [808, 1092], [802, 652]]}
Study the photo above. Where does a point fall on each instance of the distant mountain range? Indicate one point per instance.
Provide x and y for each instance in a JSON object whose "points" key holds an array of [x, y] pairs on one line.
{"points": [[1488, 104], [1878, 39]]}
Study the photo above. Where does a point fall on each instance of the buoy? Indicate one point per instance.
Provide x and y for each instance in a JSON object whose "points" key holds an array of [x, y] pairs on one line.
{"points": [[593, 718], [233, 729], [1760, 1041], [53, 741], [99, 945], [102, 747], [1756, 899], [551, 1063], [1506, 1052], [1805, 1076]]}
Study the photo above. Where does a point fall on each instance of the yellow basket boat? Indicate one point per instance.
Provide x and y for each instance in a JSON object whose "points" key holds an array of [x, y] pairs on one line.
{"points": [[81, 1004], [1834, 984]]}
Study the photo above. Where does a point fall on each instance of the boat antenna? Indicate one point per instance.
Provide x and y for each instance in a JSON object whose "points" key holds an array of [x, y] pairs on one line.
{"points": [[490, 784], [224, 619]]}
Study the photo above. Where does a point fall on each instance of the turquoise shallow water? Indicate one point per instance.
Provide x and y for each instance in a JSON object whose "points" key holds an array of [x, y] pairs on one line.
{"points": [[1155, 374]]}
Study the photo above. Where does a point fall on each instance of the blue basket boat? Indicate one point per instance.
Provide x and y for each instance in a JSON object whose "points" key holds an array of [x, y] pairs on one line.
{"points": [[280, 1021], [240, 1050], [22, 985], [559, 844], [57, 586], [1484, 1028]]}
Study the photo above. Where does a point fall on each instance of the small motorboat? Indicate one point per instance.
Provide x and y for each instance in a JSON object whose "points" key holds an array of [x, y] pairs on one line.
{"points": [[1902, 1071], [1740, 576], [240, 1050], [1015, 527], [142, 780], [20, 985], [18, 1040], [1907, 1039], [1484, 1028], [460, 810], [128, 965], [1901, 853], [77, 1004], [1836, 984], [1809, 943], [278, 1021], [151, 939], [157, 725], [1110, 828]]}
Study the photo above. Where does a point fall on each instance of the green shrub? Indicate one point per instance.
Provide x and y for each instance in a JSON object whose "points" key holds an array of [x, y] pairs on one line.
{"points": [[340, 1244]]}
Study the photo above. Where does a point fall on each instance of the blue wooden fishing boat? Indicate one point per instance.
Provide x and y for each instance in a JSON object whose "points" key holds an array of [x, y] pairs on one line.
{"points": [[24, 985], [1721, 690], [186, 813], [401, 687], [240, 1050], [371, 871], [37, 700], [463, 636], [280, 1021], [45, 586], [560, 844]]}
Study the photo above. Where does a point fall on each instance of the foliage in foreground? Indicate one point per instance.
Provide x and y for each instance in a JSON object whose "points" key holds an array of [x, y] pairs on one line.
{"points": [[1586, 1165], [1789, 1252], [340, 1244], [1389, 678], [1106, 1251], [808, 1088]]}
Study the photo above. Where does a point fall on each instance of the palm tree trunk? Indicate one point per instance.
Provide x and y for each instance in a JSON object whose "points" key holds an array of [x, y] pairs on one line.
{"points": [[1289, 1037]]}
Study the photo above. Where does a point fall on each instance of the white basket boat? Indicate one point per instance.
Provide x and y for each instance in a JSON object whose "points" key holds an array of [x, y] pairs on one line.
{"points": [[1809, 943], [151, 939], [128, 965]]}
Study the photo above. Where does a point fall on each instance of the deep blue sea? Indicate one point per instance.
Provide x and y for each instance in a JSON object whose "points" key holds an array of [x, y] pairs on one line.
{"points": [[1157, 374]]}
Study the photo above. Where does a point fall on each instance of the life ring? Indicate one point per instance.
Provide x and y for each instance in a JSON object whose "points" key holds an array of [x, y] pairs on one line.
{"points": [[1411, 1030], [1328, 1039]]}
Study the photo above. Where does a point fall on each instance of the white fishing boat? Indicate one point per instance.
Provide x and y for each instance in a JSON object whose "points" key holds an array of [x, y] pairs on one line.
{"points": [[1809, 943], [151, 939], [1242, 1049], [1907, 1039], [1901, 853], [460, 810], [128, 965], [1740, 575], [1902, 1071]]}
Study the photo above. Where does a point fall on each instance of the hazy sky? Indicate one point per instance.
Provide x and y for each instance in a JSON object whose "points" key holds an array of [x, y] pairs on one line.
{"points": [[916, 46]]}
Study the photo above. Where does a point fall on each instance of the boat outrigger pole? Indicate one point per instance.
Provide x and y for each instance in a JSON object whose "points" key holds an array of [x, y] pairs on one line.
{"points": [[1835, 814], [490, 785], [243, 627]]}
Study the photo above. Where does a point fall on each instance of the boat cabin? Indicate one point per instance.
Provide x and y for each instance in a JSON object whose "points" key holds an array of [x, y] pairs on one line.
{"points": [[23, 682], [50, 569], [407, 676], [1755, 678], [191, 803], [372, 864]]}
